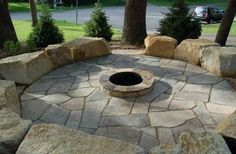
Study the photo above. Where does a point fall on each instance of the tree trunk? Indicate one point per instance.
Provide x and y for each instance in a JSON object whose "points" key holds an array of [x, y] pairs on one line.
{"points": [[226, 23], [33, 9], [7, 31], [134, 29]]}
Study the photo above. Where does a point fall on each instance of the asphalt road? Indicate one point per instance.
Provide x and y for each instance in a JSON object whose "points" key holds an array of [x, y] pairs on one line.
{"points": [[116, 17]]}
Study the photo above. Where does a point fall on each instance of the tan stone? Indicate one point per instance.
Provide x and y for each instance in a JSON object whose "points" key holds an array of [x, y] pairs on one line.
{"points": [[12, 131], [88, 47], [59, 54], [25, 68], [54, 139], [168, 149], [203, 142], [228, 126], [220, 61], [160, 46], [9, 97], [190, 50]]}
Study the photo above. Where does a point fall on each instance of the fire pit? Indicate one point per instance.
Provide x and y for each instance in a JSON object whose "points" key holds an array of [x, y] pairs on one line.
{"points": [[127, 82]]}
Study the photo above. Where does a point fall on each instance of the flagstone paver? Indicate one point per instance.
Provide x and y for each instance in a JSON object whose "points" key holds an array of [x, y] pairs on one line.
{"points": [[170, 118], [184, 97]]}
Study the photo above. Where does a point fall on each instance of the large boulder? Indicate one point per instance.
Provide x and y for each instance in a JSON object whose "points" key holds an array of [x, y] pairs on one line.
{"points": [[228, 126], [60, 55], [203, 142], [12, 131], [48, 138], [220, 61], [88, 47], [9, 97], [25, 68], [168, 149], [160, 46], [190, 50]]}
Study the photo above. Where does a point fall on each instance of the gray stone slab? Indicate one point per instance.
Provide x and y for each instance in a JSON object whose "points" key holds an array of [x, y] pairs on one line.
{"points": [[79, 84], [97, 95], [157, 90], [128, 134], [118, 106], [147, 142], [192, 96], [61, 87], [74, 104], [163, 101], [83, 92], [170, 118], [220, 109], [192, 70], [202, 114], [129, 120], [140, 107], [56, 115], [33, 95], [190, 125], [206, 78], [74, 119], [96, 106], [149, 131], [223, 93], [176, 87], [95, 83], [33, 109], [56, 98], [181, 104], [218, 118], [90, 119], [197, 88], [165, 136], [41, 85]]}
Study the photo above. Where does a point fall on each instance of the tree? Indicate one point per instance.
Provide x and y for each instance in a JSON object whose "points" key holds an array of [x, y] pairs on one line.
{"points": [[178, 24], [33, 9], [45, 32], [134, 29], [7, 31], [98, 25], [226, 23]]}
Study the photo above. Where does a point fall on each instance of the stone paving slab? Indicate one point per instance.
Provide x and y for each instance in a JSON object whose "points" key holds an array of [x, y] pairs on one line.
{"points": [[185, 97]]}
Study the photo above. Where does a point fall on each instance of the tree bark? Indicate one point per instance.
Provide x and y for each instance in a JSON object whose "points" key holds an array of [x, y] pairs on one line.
{"points": [[33, 10], [134, 29], [226, 23], [7, 31]]}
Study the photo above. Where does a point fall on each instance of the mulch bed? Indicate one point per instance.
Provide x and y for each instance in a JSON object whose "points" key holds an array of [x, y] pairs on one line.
{"points": [[116, 44]]}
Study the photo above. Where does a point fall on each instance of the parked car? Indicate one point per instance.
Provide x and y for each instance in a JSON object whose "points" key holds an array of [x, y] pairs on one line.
{"points": [[208, 13]]}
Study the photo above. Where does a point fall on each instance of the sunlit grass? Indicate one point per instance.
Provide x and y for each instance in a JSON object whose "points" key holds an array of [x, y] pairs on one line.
{"points": [[70, 30]]}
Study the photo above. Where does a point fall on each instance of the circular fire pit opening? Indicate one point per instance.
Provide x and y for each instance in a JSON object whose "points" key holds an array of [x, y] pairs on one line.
{"points": [[127, 82], [126, 78]]}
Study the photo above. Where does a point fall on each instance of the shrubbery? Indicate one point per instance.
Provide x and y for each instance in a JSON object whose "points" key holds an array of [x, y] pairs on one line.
{"points": [[45, 32], [179, 24], [12, 48], [98, 25]]}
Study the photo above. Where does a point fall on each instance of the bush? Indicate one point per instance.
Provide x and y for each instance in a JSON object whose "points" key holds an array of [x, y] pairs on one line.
{"points": [[45, 32], [98, 25], [13, 48], [179, 24]]}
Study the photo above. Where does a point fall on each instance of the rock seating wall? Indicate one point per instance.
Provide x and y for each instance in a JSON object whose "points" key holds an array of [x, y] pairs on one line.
{"points": [[28, 67], [208, 54]]}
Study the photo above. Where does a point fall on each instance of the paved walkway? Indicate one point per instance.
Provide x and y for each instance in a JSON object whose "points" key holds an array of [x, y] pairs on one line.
{"points": [[185, 97]]}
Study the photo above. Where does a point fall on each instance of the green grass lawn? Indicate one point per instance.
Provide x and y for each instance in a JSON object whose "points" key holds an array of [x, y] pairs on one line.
{"points": [[213, 28], [70, 30]]}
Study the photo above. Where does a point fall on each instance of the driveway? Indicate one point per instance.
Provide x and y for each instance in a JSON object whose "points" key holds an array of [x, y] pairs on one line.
{"points": [[115, 14]]}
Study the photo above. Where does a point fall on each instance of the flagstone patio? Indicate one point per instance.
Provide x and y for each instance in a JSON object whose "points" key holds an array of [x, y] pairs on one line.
{"points": [[185, 97]]}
